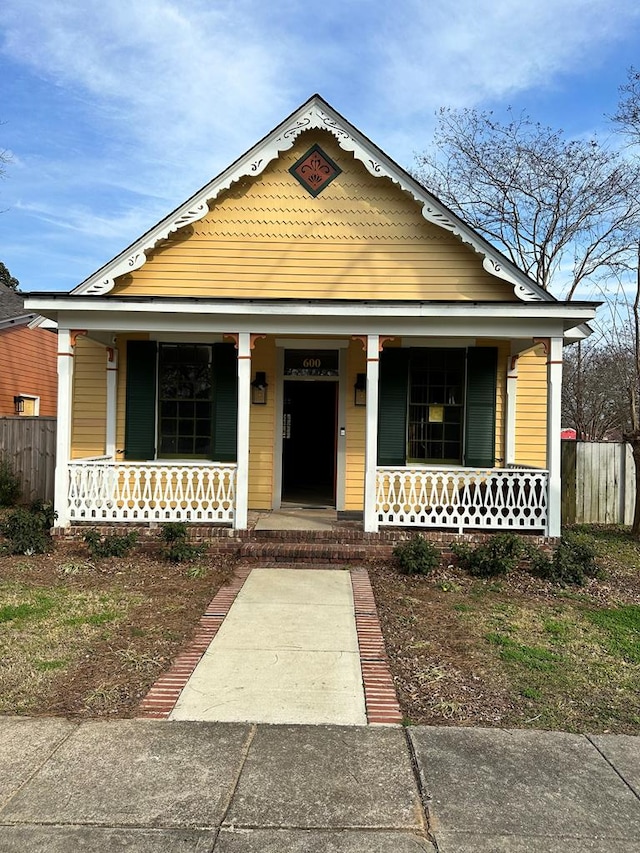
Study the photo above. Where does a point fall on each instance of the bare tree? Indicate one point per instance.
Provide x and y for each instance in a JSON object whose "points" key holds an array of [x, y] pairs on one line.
{"points": [[627, 116], [563, 210], [595, 383], [632, 434]]}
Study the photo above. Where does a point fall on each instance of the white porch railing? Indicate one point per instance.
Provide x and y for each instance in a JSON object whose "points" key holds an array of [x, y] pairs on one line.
{"points": [[509, 499], [101, 489]]}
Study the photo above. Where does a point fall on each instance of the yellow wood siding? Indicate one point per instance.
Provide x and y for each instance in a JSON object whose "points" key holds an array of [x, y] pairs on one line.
{"points": [[361, 238], [531, 409], [356, 426], [89, 417], [262, 433]]}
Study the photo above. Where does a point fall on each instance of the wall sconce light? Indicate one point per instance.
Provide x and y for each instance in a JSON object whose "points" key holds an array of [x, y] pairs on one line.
{"points": [[259, 389], [18, 405], [360, 390]]}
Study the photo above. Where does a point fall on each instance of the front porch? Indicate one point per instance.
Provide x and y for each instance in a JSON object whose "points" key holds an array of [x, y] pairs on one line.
{"points": [[425, 432]]}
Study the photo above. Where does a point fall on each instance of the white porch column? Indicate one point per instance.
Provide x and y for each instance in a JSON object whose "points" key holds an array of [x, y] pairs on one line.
{"points": [[371, 438], [112, 396], [244, 405], [63, 437], [510, 411], [554, 425]]}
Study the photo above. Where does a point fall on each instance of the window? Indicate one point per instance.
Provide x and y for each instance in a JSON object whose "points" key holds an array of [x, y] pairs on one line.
{"points": [[436, 405], [29, 405], [185, 396], [181, 401]]}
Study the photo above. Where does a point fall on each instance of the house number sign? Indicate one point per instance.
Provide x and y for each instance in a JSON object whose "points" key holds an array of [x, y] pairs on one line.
{"points": [[318, 362]]}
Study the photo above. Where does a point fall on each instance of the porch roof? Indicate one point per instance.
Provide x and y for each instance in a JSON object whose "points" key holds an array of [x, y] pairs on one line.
{"points": [[321, 316]]}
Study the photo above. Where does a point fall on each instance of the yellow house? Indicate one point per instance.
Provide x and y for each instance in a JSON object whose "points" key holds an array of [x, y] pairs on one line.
{"points": [[314, 328]]}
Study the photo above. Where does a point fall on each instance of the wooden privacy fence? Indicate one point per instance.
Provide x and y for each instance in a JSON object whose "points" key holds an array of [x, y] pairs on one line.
{"points": [[598, 482], [29, 445]]}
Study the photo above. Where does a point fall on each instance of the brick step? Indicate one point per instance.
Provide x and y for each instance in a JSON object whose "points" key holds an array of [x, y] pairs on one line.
{"points": [[312, 552]]}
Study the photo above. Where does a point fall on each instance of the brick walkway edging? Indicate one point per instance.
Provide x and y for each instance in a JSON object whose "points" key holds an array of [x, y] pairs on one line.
{"points": [[380, 697], [381, 702]]}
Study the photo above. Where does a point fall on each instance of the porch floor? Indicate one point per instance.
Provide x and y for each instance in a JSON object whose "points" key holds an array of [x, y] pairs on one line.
{"points": [[294, 518]]}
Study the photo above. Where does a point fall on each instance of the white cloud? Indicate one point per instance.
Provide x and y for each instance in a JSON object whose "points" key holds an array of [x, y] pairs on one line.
{"points": [[164, 74], [81, 219], [461, 54]]}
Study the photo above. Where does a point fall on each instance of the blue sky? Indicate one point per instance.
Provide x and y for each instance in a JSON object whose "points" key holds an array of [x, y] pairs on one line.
{"points": [[115, 112]]}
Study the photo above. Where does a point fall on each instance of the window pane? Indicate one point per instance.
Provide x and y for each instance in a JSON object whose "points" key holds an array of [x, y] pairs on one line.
{"points": [[168, 409], [167, 445]]}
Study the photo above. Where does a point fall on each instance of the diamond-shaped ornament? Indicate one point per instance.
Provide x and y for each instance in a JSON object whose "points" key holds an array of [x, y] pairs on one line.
{"points": [[315, 170]]}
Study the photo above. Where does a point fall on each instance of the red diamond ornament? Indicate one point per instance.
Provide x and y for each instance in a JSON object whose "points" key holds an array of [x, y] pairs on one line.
{"points": [[315, 170]]}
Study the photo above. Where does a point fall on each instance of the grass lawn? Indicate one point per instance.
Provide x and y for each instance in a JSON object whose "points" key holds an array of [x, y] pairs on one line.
{"points": [[87, 638], [518, 651]]}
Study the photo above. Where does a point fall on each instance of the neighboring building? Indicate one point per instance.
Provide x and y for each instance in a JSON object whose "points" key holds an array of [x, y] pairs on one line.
{"points": [[568, 434], [312, 327], [28, 360]]}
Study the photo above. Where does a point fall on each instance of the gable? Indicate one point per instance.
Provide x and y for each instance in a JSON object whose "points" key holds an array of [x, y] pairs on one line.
{"points": [[361, 237]]}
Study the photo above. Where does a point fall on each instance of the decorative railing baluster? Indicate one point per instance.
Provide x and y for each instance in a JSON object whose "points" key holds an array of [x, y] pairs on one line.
{"points": [[492, 498], [104, 490]]}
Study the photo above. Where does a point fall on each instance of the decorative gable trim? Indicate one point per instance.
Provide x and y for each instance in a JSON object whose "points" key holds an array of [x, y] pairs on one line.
{"points": [[315, 114]]}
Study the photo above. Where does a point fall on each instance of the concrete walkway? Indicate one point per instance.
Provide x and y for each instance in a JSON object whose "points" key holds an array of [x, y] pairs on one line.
{"points": [[287, 652], [159, 787]]}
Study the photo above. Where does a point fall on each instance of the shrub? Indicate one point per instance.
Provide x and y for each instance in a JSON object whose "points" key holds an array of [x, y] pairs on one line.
{"points": [[9, 484], [177, 549], [27, 532], [572, 562], [417, 556], [113, 545], [500, 555], [45, 510]]}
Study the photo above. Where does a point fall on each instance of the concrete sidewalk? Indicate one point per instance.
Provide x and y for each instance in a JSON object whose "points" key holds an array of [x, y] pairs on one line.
{"points": [[182, 787]]}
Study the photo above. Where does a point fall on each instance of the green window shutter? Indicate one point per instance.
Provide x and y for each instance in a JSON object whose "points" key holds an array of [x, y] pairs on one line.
{"points": [[392, 412], [140, 418], [480, 431], [225, 403]]}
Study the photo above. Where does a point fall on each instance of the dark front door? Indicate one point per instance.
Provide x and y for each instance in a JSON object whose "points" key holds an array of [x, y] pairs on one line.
{"points": [[309, 443]]}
